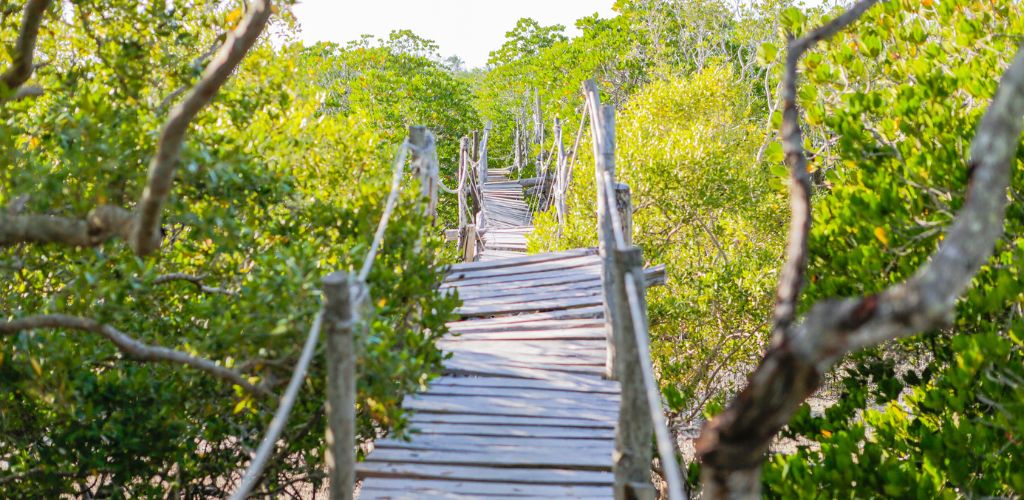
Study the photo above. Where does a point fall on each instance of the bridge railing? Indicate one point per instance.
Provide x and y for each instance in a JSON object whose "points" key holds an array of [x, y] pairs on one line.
{"points": [[629, 357], [340, 318]]}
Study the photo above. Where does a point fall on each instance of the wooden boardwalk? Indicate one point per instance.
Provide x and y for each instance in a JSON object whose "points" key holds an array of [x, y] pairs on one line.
{"points": [[522, 410]]}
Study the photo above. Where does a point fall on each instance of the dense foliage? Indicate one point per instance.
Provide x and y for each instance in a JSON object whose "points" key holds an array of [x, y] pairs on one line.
{"points": [[278, 185]]}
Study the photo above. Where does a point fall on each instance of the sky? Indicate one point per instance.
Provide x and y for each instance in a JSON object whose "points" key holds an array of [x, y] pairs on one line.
{"points": [[470, 29]]}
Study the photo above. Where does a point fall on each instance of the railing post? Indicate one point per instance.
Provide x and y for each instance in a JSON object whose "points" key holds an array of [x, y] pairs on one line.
{"points": [[482, 175], [624, 206], [561, 167], [632, 458], [603, 127], [424, 166], [469, 237], [343, 293]]}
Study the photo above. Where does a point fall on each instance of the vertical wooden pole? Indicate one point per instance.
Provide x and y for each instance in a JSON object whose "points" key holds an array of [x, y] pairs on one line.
{"points": [[463, 166], [624, 206], [423, 166], [517, 161], [469, 244], [482, 175], [476, 146], [602, 122], [560, 179], [343, 293]]}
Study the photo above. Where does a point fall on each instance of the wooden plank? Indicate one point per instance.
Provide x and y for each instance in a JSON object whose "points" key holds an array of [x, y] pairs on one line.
{"points": [[528, 359], [554, 396], [426, 428], [505, 407], [532, 306], [591, 271], [502, 458], [485, 474], [476, 443], [480, 293], [519, 335], [524, 370], [530, 295], [416, 489], [503, 420], [576, 384], [528, 259], [586, 315], [552, 327], [531, 282], [602, 407], [574, 262]]}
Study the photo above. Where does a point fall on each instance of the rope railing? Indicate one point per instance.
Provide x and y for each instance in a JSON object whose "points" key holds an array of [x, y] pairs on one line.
{"points": [[338, 316]]}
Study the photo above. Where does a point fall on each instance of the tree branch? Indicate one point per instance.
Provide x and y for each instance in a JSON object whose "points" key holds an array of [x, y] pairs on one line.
{"points": [[733, 445], [791, 278], [102, 224], [130, 346], [24, 50], [146, 235], [191, 278]]}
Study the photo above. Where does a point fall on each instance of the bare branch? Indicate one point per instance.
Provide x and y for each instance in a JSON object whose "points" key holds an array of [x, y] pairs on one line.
{"points": [[732, 446], [191, 278], [146, 235], [791, 278], [130, 346], [24, 49], [102, 224]]}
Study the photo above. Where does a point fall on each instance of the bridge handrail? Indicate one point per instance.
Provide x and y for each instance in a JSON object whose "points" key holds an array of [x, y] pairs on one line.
{"points": [[627, 308]]}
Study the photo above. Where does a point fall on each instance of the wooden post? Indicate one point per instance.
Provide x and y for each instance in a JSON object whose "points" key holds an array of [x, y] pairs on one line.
{"points": [[476, 146], [560, 176], [482, 175], [423, 166], [517, 161], [632, 457], [624, 206], [602, 123], [343, 293], [463, 166], [469, 243]]}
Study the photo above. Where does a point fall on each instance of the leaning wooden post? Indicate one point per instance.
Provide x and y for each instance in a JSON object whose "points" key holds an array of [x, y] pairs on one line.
{"points": [[602, 123], [343, 293], [463, 165], [632, 457], [423, 166], [624, 206], [482, 172]]}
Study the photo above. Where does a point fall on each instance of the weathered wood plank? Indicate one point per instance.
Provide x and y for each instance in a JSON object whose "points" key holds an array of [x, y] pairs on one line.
{"points": [[485, 474], [579, 384], [574, 262], [505, 407], [552, 396], [476, 443], [500, 308], [412, 489], [501, 420], [527, 259], [501, 458], [424, 428]]}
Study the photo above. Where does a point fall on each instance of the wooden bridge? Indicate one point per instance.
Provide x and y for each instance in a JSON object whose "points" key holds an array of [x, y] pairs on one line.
{"points": [[549, 390], [525, 408]]}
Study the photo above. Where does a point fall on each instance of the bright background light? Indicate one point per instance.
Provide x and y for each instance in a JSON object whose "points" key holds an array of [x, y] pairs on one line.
{"points": [[470, 29]]}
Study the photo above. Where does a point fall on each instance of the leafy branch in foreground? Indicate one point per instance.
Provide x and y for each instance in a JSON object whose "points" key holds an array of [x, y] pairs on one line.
{"points": [[141, 227], [732, 446], [130, 346]]}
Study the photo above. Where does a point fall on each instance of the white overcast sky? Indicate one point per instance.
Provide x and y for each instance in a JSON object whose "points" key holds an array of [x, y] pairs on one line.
{"points": [[470, 29]]}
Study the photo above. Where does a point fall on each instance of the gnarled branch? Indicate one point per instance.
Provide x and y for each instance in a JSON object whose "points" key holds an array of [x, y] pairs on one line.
{"points": [[102, 223], [191, 278], [24, 50], [130, 346], [733, 445], [791, 278], [146, 235]]}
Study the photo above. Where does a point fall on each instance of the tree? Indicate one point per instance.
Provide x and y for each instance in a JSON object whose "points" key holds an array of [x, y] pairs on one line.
{"points": [[528, 38], [270, 193], [732, 446]]}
